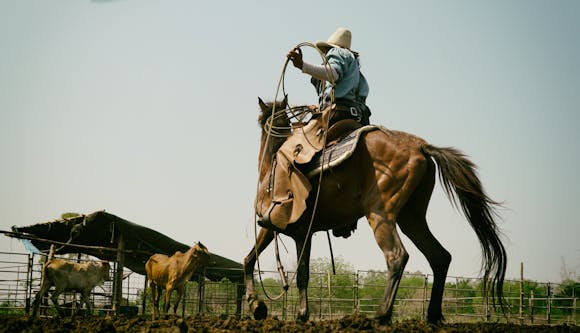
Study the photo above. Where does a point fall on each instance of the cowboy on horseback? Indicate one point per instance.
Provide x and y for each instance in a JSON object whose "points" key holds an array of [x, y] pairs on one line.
{"points": [[343, 68], [342, 91]]}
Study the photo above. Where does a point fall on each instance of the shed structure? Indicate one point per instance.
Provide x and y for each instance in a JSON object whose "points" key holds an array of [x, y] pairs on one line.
{"points": [[111, 238]]}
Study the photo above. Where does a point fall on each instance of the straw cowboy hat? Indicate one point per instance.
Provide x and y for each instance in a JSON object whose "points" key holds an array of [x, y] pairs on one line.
{"points": [[340, 38]]}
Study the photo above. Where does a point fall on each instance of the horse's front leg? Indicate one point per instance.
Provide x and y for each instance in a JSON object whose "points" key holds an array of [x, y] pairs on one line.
{"points": [[257, 307], [303, 275]]}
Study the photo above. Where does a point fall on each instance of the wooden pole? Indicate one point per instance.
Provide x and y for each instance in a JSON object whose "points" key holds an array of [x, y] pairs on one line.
{"points": [[574, 309], [355, 293], [521, 292], [50, 254], [487, 309], [424, 302], [183, 300], [532, 307], [329, 295], [29, 282], [201, 294], [49, 258], [320, 297], [549, 304], [285, 305], [143, 302], [118, 280], [240, 291]]}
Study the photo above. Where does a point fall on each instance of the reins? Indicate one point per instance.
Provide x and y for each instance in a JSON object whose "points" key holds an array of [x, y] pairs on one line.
{"points": [[278, 132]]}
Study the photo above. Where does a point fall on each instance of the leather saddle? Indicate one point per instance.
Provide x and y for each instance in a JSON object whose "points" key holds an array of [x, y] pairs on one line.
{"points": [[300, 158]]}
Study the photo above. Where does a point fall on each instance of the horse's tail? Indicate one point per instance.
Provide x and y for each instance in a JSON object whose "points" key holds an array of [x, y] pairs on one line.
{"points": [[463, 188]]}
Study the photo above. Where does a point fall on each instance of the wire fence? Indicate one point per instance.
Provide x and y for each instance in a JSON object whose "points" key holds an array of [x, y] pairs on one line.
{"points": [[330, 296]]}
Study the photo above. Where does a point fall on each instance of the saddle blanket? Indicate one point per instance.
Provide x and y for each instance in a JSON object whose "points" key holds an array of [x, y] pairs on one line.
{"points": [[334, 155]]}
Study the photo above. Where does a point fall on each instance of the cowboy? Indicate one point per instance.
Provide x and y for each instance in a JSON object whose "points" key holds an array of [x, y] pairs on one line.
{"points": [[342, 91], [343, 68]]}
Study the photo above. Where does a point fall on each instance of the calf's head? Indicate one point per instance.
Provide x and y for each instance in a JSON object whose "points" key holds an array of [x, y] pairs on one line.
{"points": [[105, 270], [201, 254]]}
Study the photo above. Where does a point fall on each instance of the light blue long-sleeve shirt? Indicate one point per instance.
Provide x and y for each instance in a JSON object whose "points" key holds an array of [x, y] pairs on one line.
{"points": [[351, 84]]}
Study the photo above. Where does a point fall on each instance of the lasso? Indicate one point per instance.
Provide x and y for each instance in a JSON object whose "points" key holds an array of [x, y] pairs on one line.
{"points": [[274, 131]]}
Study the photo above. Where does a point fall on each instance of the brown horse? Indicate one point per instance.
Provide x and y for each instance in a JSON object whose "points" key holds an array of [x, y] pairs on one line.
{"points": [[389, 180]]}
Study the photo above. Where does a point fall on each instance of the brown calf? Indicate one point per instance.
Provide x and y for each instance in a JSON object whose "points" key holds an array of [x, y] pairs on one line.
{"points": [[172, 273], [71, 276]]}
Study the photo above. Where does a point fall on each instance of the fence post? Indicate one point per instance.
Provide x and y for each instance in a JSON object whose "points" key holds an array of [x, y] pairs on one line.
{"points": [[29, 282], [487, 312], [574, 308], [319, 296], [329, 295], [549, 303], [521, 293], [285, 302], [425, 286], [201, 294], [355, 293], [531, 306], [118, 280], [240, 288], [44, 300], [15, 291], [184, 299], [144, 300], [455, 294]]}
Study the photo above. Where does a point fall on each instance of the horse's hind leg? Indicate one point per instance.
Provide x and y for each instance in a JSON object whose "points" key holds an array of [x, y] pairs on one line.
{"points": [[396, 257], [258, 307], [413, 223], [438, 258]]}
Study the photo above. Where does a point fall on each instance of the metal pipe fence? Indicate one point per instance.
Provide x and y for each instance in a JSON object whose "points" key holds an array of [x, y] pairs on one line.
{"points": [[14, 282], [330, 296]]}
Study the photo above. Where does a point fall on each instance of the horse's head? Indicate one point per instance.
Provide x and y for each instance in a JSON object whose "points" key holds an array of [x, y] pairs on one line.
{"points": [[278, 108], [200, 254], [275, 125]]}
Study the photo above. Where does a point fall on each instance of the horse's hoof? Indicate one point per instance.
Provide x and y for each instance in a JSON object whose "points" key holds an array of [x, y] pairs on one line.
{"points": [[302, 316], [261, 311], [436, 319], [383, 318]]}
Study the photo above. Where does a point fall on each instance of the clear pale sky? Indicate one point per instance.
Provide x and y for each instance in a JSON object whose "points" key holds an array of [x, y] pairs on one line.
{"points": [[148, 110]]}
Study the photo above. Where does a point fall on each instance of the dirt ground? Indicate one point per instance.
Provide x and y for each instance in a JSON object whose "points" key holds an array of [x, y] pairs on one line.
{"points": [[355, 323]]}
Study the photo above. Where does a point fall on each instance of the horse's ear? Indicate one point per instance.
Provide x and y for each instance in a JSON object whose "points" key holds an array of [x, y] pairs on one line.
{"points": [[285, 101], [263, 106]]}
